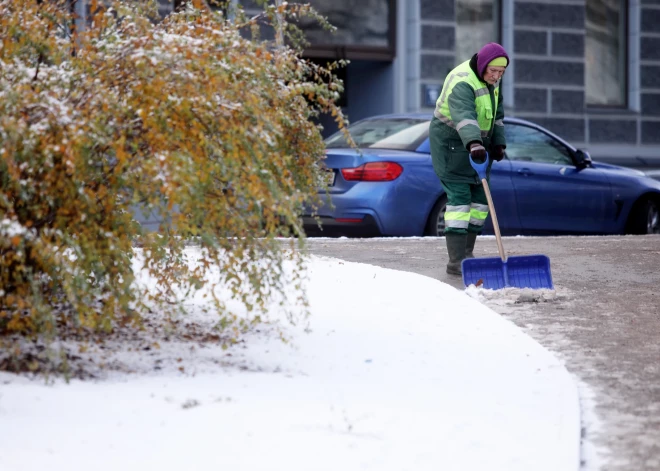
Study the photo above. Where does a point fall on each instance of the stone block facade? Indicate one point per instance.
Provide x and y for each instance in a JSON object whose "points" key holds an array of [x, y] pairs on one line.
{"points": [[556, 70], [437, 56], [650, 72], [547, 43], [546, 84]]}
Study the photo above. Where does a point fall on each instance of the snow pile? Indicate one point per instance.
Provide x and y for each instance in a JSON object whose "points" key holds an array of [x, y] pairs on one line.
{"points": [[394, 371]]}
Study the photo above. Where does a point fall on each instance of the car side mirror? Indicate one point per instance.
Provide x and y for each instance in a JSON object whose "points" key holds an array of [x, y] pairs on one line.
{"points": [[582, 159]]}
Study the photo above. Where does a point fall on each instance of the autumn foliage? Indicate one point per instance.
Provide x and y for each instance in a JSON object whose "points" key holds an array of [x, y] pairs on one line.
{"points": [[186, 118]]}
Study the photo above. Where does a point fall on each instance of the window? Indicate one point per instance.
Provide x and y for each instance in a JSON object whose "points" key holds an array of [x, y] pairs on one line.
{"points": [[357, 23], [477, 23], [605, 53], [394, 133], [365, 30], [531, 145]]}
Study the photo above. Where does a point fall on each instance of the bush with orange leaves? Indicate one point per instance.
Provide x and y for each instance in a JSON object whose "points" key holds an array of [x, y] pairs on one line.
{"points": [[183, 117]]}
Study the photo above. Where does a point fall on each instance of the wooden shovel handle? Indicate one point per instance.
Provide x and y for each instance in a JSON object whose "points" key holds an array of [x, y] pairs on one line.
{"points": [[496, 226]]}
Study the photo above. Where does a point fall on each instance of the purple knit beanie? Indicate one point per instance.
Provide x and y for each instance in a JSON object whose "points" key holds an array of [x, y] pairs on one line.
{"points": [[487, 53]]}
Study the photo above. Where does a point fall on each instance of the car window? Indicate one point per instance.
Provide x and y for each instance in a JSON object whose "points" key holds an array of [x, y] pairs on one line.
{"points": [[531, 145], [386, 133]]}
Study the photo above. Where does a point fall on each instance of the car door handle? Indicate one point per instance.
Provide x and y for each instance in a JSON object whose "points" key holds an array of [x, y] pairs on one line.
{"points": [[525, 171]]}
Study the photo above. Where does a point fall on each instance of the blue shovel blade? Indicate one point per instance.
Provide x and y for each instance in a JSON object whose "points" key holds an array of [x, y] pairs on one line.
{"points": [[521, 271]]}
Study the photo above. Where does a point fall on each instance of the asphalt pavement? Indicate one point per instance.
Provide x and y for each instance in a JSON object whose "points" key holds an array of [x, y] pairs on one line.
{"points": [[603, 320]]}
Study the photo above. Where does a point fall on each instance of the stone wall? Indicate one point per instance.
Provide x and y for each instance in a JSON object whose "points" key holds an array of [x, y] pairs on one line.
{"points": [[549, 73], [650, 71], [549, 68], [437, 42]]}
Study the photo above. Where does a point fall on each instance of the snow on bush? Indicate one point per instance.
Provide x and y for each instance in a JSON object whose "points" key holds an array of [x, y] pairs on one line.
{"points": [[184, 117]]}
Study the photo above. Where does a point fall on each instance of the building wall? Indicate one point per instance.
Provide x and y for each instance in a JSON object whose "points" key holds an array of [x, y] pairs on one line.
{"points": [[437, 30], [549, 72], [650, 72], [547, 80]]}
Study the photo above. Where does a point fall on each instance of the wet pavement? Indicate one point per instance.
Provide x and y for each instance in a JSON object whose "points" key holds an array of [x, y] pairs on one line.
{"points": [[602, 320]]}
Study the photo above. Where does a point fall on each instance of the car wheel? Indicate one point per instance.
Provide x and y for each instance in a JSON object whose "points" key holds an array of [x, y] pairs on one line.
{"points": [[435, 226], [645, 217]]}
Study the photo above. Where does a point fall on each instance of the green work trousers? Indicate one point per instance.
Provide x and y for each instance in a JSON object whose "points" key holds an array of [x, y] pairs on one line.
{"points": [[467, 207]]}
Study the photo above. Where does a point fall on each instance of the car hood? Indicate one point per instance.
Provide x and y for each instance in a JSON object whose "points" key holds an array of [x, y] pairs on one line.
{"points": [[618, 169], [638, 176]]}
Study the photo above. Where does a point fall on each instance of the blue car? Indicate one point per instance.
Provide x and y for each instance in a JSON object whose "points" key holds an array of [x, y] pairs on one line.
{"points": [[544, 186]]}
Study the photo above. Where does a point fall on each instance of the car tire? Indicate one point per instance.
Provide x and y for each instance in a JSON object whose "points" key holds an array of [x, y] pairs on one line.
{"points": [[435, 226], [645, 217]]}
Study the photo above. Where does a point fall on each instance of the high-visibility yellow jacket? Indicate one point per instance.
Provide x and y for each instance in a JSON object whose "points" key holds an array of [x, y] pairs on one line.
{"points": [[468, 110]]}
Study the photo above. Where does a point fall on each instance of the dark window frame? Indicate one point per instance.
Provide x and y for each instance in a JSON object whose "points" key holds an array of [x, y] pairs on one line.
{"points": [[626, 65], [355, 52]]}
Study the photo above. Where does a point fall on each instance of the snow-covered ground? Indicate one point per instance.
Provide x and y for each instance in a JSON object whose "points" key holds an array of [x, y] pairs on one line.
{"points": [[392, 371]]}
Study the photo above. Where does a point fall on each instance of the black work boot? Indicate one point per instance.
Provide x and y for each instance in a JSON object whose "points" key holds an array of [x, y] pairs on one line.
{"points": [[469, 244], [456, 250]]}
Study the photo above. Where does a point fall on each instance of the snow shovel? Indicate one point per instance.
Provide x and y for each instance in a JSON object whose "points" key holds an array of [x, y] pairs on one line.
{"points": [[524, 271]]}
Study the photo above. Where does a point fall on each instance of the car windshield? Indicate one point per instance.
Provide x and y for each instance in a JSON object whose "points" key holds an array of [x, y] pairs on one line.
{"points": [[386, 133]]}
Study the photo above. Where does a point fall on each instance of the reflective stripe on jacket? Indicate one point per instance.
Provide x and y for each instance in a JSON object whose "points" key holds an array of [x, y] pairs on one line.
{"points": [[467, 110], [482, 101]]}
